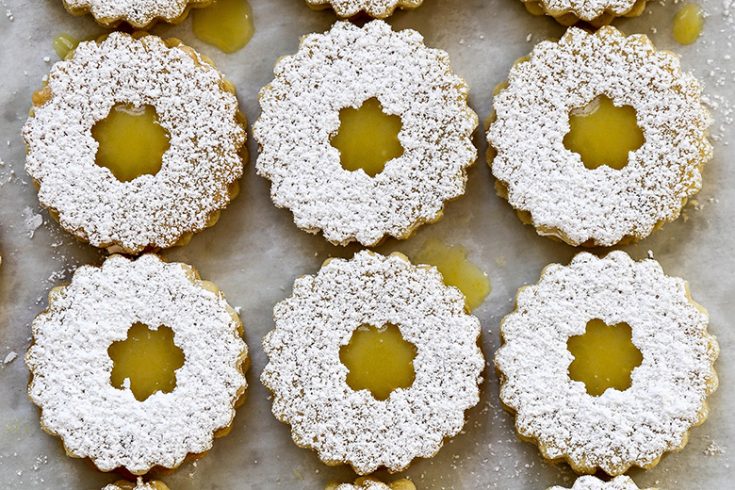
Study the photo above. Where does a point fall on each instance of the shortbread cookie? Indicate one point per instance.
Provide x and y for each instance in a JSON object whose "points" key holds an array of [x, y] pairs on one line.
{"points": [[617, 429], [594, 483], [379, 9], [137, 485], [198, 175], [138, 13], [309, 381], [367, 483], [550, 186], [594, 12], [71, 366], [301, 113]]}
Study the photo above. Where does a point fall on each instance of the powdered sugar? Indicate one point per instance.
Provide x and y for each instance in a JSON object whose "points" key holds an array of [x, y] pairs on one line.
{"points": [[152, 211], [138, 13], [138, 485], [587, 10], [374, 8], [605, 205], [71, 368], [343, 68], [593, 483], [365, 484], [617, 429], [308, 380]]}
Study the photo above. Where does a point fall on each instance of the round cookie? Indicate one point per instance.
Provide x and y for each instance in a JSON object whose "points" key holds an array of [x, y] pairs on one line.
{"points": [[595, 12], [550, 186], [301, 113], [367, 483], [199, 171], [309, 381], [137, 485], [379, 9], [617, 429], [138, 13], [71, 367], [594, 483]]}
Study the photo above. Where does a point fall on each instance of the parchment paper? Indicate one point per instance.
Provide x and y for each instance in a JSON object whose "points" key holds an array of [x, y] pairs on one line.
{"points": [[255, 252]]}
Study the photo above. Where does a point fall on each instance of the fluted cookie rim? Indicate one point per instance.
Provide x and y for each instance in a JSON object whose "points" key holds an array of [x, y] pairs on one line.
{"points": [[569, 15], [544, 207], [374, 8], [300, 114], [212, 170], [588, 482], [144, 21], [185, 304], [651, 298], [352, 427]]}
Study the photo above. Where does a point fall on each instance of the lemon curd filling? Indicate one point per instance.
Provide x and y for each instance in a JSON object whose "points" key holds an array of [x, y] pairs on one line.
{"points": [[604, 357], [688, 23], [226, 24], [367, 138], [64, 44], [456, 269], [603, 134], [378, 360], [147, 359], [131, 142]]}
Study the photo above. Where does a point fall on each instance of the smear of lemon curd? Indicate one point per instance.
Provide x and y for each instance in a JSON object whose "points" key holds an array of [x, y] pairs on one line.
{"points": [[456, 269], [226, 24], [688, 24], [64, 44]]}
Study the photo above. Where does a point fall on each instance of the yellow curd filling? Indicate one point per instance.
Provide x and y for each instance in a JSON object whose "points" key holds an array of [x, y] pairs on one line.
{"points": [[603, 134], [688, 23], [226, 24], [367, 138], [604, 357], [379, 360], [131, 142], [456, 269], [64, 44], [147, 359]]}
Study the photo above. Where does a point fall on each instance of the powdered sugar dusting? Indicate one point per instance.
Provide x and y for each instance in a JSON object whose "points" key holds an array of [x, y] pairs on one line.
{"points": [[605, 205], [374, 8], [617, 429], [309, 381], [71, 368], [343, 68], [139, 13], [593, 483], [587, 10], [138, 485], [363, 485], [197, 170]]}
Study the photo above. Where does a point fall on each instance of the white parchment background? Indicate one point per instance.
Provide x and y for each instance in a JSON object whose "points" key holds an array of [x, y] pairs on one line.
{"points": [[255, 252]]}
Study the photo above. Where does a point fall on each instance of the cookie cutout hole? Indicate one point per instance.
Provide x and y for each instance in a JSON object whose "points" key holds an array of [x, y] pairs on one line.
{"points": [[378, 360], [146, 361], [604, 357], [131, 142], [603, 134], [367, 138]]}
